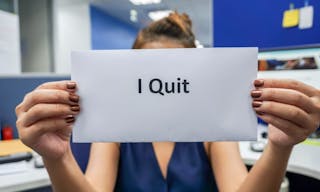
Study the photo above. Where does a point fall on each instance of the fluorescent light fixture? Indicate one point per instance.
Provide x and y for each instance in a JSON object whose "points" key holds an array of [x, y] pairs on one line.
{"points": [[133, 18], [134, 15], [144, 2], [133, 12], [156, 15], [198, 44]]}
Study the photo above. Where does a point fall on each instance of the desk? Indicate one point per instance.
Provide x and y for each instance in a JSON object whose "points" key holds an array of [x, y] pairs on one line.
{"points": [[29, 179], [304, 160]]}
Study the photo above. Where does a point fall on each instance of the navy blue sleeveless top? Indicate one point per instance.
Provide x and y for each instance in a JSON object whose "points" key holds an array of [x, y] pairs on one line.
{"points": [[188, 170]]}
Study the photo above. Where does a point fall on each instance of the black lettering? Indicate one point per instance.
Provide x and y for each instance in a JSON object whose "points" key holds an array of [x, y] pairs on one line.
{"points": [[167, 89], [160, 86], [178, 85], [185, 84], [139, 86]]}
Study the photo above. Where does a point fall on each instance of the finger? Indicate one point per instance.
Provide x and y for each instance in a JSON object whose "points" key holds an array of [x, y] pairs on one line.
{"points": [[287, 96], [286, 84], [61, 125], [62, 85], [283, 111], [48, 96], [285, 126], [43, 111], [51, 125]]}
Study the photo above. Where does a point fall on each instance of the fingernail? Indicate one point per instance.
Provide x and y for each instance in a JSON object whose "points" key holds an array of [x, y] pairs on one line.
{"points": [[256, 104], [258, 82], [260, 113], [74, 98], [75, 108], [71, 85], [256, 94], [70, 119]]}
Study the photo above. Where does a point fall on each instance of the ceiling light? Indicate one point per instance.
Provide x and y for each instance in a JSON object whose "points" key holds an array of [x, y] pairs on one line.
{"points": [[144, 2], [133, 12], [198, 44], [156, 15], [133, 18], [133, 15]]}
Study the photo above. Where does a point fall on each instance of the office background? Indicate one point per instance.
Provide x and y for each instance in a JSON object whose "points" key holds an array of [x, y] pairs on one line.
{"points": [[82, 25], [50, 29]]}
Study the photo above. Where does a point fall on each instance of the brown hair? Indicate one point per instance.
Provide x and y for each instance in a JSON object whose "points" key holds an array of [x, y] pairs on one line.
{"points": [[176, 27]]}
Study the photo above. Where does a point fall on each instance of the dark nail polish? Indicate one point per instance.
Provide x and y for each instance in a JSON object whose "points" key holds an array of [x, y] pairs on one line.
{"points": [[256, 94], [256, 104], [70, 119], [260, 113], [75, 108], [71, 85], [74, 98], [258, 82]]}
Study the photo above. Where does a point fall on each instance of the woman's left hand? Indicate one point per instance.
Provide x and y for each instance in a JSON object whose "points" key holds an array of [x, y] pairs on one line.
{"points": [[291, 108]]}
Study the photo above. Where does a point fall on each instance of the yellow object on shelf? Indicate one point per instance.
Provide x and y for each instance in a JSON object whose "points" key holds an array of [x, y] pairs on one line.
{"points": [[12, 146], [314, 142], [290, 18]]}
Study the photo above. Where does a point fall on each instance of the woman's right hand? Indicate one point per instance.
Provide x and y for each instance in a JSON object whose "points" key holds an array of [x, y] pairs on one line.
{"points": [[45, 118]]}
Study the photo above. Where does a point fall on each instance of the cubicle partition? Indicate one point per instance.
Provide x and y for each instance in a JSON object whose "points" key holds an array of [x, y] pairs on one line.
{"points": [[259, 24]]}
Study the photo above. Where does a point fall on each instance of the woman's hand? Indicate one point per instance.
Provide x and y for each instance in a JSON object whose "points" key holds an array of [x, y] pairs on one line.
{"points": [[45, 118], [291, 108]]}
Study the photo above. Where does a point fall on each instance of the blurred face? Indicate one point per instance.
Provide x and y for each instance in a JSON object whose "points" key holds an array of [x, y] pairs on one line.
{"points": [[162, 45]]}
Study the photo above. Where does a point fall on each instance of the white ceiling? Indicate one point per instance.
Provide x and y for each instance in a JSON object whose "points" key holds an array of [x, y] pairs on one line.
{"points": [[200, 11]]}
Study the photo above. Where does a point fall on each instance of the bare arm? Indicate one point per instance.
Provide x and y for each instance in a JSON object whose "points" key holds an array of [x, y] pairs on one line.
{"points": [[231, 174], [268, 172], [103, 165], [65, 174], [100, 175], [228, 167]]}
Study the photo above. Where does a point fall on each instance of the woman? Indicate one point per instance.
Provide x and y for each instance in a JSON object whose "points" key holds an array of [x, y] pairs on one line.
{"points": [[46, 115]]}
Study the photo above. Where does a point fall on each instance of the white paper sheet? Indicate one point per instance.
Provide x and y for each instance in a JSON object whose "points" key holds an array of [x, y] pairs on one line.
{"points": [[215, 103], [306, 17]]}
